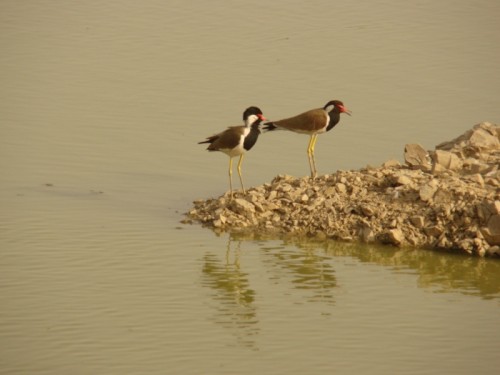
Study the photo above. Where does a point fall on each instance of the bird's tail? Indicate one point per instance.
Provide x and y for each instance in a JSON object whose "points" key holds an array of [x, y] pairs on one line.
{"points": [[268, 126], [211, 139]]}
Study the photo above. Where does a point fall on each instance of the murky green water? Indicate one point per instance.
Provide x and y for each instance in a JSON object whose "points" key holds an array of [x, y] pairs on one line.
{"points": [[101, 106]]}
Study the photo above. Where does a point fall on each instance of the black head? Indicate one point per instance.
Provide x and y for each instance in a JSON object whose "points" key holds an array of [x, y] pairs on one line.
{"points": [[251, 111], [336, 106], [252, 114]]}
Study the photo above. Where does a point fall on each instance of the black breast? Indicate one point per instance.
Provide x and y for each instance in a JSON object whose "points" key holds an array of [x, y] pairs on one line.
{"points": [[251, 138], [334, 118]]}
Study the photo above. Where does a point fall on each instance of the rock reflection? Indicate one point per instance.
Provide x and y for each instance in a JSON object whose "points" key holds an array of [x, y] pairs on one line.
{"points": [[438, 271], [233, 295]]}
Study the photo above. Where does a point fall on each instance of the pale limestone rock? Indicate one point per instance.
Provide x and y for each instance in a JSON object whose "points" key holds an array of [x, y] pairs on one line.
{"points": [[403, 180], [438, 169], [391, 163], [242, 206], [394, 237], [493, 251], [446, 159], [417, 221], [416, 156], [486, 209], [368, 210], [427, 191], [341, 188], [477, 178], [272, 195], [481, 136], [484, 139], [492, 232], [329, 191], [434, 231]]}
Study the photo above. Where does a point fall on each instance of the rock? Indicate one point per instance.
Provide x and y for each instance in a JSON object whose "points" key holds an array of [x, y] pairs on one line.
{"points": [[477, 178], [272, 195], [492, 232], [483, 139], [417, 221], [368, 210], [403, 180], [481, 136], [394, 237], [221, 218], [493, 181], [329, 191], [446, 159], [434, 231], [427, 191], [391, 163], [442, 242], [417, 157], [242, 207], [478, 167], [486, 209], [437, 169], [367, 234], [442, 196], [316, 202], [341, 188], [493, 251]]}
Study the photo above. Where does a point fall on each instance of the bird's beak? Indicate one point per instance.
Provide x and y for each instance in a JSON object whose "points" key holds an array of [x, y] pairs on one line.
{"points": [[346, 111], [262, 117]]}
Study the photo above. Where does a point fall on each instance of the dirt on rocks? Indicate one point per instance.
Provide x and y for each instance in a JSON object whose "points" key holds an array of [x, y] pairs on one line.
{"points": [[447, 199]]}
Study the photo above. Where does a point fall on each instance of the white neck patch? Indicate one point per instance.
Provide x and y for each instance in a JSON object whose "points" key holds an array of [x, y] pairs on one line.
{"points": [[330, 108], [250, 120]]}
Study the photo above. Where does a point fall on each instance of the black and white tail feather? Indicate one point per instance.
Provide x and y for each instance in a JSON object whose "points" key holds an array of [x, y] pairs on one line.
{"points": [[268, 127]]}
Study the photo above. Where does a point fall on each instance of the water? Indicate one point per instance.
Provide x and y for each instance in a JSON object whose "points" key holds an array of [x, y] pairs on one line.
{"points": [[101, 106]]}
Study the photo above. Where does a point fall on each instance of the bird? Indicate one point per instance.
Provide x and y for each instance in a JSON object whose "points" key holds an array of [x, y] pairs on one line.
{"points": [[236, 140], [312, 122]]}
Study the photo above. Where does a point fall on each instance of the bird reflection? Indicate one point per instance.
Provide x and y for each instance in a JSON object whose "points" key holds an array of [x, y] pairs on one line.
{"points": [[232, 293], [309, 271]]}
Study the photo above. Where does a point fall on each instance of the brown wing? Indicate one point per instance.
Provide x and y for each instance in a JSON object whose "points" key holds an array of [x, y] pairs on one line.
{"points": [[306, 122], [229, 138]]}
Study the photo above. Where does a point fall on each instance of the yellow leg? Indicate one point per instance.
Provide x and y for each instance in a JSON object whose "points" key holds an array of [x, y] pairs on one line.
{"points": [[239, 172], [231, 176], [310, 155]]}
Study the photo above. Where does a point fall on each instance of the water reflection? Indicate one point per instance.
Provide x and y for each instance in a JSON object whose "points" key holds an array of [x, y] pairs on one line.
{"points": [[312, 267], [233, 296], [305, 270], [436, 271]]}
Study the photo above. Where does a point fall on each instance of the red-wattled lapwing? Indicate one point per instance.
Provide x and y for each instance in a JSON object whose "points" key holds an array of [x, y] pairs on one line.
{"points": [[313, 122], [235, 140]]}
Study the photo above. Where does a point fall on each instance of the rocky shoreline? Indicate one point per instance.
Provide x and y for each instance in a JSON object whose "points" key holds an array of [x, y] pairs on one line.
{"points": [[445, 199]]}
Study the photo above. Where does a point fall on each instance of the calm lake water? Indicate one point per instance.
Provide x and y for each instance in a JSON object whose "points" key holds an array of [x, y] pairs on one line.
{"points": [[101, 107]]}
